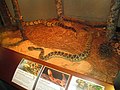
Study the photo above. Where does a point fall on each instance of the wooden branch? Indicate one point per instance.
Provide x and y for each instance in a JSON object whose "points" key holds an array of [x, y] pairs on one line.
{"points": [[59, 8], [112, 21], [18, 17], [5, 14]]}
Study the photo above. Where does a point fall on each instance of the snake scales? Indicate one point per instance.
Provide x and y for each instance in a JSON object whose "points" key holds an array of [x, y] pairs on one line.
{"points": [[48, 24], [70, 57]]}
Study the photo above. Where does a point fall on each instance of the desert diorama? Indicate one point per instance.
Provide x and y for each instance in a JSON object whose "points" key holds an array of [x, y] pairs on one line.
{"points": [[87, 47]]}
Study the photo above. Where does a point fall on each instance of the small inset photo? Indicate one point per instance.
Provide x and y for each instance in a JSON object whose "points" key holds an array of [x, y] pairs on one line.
{"points": [[77, 83], [30, 66], [55, 76]]}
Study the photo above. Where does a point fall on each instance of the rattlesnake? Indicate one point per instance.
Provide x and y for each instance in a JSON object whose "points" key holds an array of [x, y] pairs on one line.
{"points": [[48, 24], [70, 57]]}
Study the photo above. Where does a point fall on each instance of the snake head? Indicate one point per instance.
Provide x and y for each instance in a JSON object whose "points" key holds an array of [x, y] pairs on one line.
{"points": [[31, 48]]}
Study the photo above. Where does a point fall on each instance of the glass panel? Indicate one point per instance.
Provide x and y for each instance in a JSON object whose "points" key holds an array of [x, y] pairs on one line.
{"points": [[92, 10]]}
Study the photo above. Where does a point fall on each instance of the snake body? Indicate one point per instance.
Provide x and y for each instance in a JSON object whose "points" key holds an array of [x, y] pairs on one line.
{"points": [[48, 24], [70, 57]]}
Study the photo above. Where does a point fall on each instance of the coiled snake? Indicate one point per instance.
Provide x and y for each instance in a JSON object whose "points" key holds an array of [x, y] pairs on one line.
{"points": [[70, 57]]}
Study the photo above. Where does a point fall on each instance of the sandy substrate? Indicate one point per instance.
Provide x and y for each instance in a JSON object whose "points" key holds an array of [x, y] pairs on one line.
{"points": [[57, 38]]}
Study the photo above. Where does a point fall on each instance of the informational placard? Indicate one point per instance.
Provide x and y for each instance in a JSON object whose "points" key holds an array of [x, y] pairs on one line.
{"points": [[34, 76], [77, 83], [52, 79], [26, 74]]}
